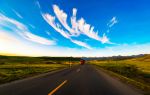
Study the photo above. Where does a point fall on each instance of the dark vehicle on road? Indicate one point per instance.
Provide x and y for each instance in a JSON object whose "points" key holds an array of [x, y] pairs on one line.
{"points": [[82, 62]]}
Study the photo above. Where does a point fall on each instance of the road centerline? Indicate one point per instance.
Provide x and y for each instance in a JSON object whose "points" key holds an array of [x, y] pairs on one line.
{"points": [[57, 88]]}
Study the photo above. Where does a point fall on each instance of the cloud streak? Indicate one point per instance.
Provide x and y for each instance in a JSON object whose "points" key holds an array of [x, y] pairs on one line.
{"points": [[51, 21], [38, 4], [23, 31], [17, 14], [62, 17], [80, 43], [37, 39], [112, 22], [77, 28]]}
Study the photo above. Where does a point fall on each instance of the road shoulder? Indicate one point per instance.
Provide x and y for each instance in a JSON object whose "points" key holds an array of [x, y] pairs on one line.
{"points": [[31, 78], [117, 82]]}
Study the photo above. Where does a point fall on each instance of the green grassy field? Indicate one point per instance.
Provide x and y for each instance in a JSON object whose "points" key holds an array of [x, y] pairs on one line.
{"points": [[14, 68], [135, 70]]}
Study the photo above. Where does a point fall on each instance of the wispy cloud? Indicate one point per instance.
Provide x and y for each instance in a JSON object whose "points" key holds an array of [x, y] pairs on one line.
{"points": [[37, 39], [23, 31], [48, 33], [104, 39], [11, 23], [62, 17], [74, 21], [80, 43], [17, 14], [112, 22], [32, 26], [78, 26], [38, 4], [51, 21]]}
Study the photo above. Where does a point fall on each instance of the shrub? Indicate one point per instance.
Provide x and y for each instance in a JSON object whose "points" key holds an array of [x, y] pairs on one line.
{"points": [[127, 70]]}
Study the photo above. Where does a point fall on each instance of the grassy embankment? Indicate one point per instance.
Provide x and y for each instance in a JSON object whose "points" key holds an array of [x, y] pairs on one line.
{"points": [[135, 71], [14, 68]]}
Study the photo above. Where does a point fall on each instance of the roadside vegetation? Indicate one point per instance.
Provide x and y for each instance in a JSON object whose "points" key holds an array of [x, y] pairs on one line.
{"points": [[14, 68], [135, 71]]}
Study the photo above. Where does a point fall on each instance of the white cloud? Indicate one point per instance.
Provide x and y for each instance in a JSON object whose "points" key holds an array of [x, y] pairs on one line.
{"points": [[112, 22], [17, 13], [62, 17], [8, 22], [51, 21], [104, 39], [74, 12], [81, 44], [74, 22], [48, 33], [38, 4], [23, 31], [78, 26], [89, 31], [37, 39]]}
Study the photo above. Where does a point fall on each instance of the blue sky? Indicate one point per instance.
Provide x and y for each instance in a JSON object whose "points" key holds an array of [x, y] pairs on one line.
{"points": [[74, 27]]}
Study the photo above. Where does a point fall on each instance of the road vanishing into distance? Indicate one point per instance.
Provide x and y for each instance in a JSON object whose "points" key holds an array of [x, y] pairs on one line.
{"points": [[78, 80]]}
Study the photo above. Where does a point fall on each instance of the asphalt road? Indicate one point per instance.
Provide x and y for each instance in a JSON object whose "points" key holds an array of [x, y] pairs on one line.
{"points": [[79, 80]]}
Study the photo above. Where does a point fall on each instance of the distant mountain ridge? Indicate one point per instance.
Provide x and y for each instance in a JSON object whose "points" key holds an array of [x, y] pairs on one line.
{"points": [[145, 58], [140, 57]]}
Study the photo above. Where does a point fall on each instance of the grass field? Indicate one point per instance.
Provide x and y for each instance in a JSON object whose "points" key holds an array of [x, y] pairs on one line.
{"points": [[14, 68], [136, 69]]}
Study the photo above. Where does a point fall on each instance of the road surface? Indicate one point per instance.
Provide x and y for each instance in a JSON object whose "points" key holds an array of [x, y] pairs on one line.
{"points": [[79, 80]]}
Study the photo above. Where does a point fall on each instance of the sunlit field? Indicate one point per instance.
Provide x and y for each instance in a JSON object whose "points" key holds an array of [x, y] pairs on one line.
{"points": [[136, 69], [14, 68]]}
